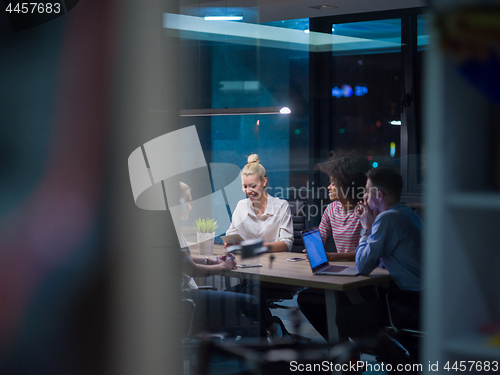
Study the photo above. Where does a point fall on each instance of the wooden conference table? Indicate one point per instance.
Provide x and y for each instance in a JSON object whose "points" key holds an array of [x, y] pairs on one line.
{"points": [[299, 273]]}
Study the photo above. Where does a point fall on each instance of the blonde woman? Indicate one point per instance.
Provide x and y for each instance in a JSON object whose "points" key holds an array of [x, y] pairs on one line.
{"points": [[261, 215]]}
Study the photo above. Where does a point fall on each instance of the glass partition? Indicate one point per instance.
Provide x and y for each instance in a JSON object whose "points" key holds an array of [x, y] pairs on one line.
{"points": [[343, 86]]}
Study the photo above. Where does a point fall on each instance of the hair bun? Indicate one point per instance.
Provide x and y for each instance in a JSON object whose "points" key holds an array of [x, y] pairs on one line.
{"points": [[254, 158]]}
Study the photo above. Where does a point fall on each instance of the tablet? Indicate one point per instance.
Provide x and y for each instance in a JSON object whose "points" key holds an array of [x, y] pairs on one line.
{"points": [[232, 239]]}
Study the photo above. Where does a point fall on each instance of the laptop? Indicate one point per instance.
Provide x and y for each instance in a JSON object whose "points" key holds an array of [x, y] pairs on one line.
{"points": [[317, 256]]}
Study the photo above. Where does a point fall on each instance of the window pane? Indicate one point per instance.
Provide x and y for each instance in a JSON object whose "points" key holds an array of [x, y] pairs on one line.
{"points": [[366, 91], [248, 76]]}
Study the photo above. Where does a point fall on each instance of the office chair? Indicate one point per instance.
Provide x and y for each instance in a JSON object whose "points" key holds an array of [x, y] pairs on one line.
{"points": [[193, 339], [404, 317], [298, 211], [191, 342], [399, 342]]}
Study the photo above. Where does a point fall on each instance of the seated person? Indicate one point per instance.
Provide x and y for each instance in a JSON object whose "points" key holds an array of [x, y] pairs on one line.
{"points": [[347, 175], [215, 310], [393, 239], [262, 216]]}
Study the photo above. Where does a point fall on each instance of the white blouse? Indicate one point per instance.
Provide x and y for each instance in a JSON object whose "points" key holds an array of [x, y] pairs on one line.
{"points": [[275, 224]]}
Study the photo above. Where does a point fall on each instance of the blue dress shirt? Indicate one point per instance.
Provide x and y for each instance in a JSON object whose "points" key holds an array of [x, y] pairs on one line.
{"points": [[395, 241]]}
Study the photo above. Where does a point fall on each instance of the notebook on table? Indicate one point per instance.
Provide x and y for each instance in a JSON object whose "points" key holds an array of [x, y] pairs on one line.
{"points": [[317, 256], [232, 239]]}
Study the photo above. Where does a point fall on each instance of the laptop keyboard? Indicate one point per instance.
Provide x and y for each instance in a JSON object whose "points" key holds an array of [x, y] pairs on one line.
{"points": [[332, 268]]}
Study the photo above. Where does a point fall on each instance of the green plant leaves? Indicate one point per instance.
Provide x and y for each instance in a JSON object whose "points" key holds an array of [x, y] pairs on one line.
{"points": [[205, 225]]}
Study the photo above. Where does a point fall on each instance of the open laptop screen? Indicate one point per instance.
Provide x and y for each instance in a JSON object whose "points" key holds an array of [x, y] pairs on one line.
{"points": [[315, 249]]}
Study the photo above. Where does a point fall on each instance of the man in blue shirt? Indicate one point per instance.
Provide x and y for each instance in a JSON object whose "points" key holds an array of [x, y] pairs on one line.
{"points": [[392, 239], [392, 231]]}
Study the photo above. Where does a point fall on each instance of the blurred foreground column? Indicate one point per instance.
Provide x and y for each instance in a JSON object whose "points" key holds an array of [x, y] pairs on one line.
{"points": [[145, 285]]}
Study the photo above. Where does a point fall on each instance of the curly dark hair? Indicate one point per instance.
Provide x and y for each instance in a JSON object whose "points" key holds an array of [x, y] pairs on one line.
{"points": [[346, 169]]}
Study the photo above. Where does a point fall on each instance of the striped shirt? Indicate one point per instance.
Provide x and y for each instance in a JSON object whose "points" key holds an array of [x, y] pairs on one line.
{"points": [[343, 226]]}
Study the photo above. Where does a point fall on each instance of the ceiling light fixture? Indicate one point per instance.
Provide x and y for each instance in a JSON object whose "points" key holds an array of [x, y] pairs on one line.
{"points": [[236, 111], [223, 18], [323, 7]]}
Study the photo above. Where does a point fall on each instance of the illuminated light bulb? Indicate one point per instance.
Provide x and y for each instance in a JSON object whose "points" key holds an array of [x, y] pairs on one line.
{"points": [[285, 111]]}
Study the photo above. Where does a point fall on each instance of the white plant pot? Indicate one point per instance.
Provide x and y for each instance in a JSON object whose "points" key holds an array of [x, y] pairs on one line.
{"points": [[205, 243]]}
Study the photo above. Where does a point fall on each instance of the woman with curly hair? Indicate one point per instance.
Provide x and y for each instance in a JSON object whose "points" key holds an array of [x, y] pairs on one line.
{"points": [[347, 174]]}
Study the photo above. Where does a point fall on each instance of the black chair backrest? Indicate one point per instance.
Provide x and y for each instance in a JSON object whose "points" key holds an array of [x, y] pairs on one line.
{"points": [[404, 309], [298, 210]]}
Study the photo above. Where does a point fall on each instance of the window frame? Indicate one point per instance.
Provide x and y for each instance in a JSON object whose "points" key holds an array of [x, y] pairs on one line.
{"points": [[320, 137]]}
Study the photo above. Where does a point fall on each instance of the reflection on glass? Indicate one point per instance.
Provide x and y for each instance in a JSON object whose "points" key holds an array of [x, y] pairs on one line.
{"points": [[247, 76]]}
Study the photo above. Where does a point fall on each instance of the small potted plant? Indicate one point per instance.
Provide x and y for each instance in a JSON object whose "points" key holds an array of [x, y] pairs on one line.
{"points": [[205, 233]]}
